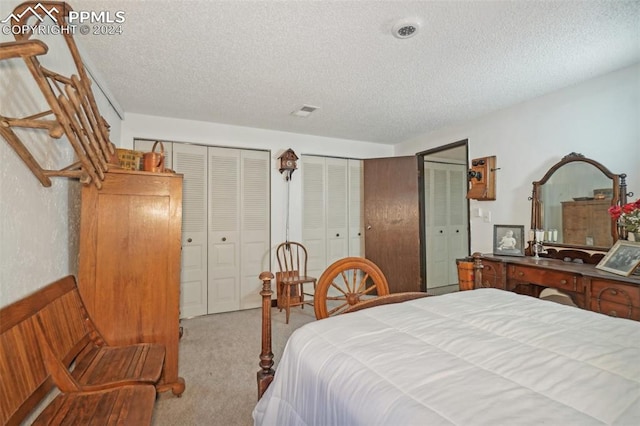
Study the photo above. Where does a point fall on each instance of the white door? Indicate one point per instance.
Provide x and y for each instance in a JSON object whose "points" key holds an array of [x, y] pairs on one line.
{"points": [[333, 209], [255, 225], [458, 243], [446, 221], [191, 161], [224, 230], [356, 209], [337, 209], [314, 228], [436, 197]]}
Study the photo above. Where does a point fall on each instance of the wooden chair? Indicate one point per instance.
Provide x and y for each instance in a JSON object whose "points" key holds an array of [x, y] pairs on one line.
{"points": [[347, 282], [292, 261]]}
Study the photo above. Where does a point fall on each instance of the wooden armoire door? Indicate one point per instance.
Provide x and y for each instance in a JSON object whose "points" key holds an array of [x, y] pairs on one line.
{"points": [[129, 262], [392, 220]]}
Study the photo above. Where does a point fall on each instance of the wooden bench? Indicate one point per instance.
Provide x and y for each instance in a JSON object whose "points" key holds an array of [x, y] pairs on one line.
{"points": [[47, 341]]}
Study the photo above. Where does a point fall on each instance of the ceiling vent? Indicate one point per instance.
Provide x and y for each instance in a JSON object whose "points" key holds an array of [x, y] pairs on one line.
{"points": [[405, 28], [305, 111]]}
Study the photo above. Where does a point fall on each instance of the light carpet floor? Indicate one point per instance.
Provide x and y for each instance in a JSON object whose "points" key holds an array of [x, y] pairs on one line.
{"points": [[219, 356]]}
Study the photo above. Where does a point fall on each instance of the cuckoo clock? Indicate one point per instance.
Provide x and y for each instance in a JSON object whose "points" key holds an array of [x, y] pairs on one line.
{"points": [[288, 163]]}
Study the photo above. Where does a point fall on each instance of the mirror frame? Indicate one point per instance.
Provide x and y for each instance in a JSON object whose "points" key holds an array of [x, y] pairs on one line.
{"points": [[619, 197]]}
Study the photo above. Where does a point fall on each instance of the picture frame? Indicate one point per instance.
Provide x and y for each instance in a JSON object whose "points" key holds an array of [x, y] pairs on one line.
{"points": [[508, 240], [622, 258]]}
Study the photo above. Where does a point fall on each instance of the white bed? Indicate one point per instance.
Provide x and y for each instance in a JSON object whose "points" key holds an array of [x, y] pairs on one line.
{"points": [[481, 357]]}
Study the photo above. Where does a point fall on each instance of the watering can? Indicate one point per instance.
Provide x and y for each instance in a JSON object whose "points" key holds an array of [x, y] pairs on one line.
{"points": [[154, 161]]}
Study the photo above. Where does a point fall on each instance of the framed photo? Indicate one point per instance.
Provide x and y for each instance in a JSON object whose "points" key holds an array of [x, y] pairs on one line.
{"points": [[508, 240], [622, 258]]}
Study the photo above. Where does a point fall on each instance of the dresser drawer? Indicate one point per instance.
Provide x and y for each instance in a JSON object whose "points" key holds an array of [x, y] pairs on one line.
{"points": [[543, 277], [492, 274], [613, 309], [628, 295]]}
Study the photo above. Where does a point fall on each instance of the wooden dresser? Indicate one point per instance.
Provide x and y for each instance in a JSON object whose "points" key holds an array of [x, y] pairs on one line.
{"points": [[590, 288], [129, 263]]}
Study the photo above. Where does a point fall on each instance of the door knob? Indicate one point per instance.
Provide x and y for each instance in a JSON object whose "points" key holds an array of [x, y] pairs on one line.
{"points": [[337, 235], [224, 238], [368, 227], [189, 240]]}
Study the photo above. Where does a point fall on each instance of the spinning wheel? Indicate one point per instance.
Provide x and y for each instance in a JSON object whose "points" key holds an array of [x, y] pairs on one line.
{"points": [[347, 282]]}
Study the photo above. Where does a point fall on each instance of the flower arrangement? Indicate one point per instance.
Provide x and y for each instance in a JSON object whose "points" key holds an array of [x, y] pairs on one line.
{"points": [[627, 216]]}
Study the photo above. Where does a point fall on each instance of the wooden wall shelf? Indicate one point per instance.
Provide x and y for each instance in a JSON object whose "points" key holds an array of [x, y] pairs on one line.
{"points": [[73, 110]]}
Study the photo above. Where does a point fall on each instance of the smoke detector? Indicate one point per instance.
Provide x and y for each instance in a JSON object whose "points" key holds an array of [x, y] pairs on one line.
{"points": [[405, 28], [305, 111]]}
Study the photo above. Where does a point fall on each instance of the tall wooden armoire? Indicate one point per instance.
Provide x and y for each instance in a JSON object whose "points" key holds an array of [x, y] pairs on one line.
{"points": [[129, 263]]}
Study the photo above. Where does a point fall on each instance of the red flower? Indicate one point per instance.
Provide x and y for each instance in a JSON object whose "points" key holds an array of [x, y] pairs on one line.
{"points": [[627, 216], [615, 211]]}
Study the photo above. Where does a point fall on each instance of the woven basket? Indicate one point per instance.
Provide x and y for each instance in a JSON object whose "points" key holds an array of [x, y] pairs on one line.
{"points": [[130, 159]]}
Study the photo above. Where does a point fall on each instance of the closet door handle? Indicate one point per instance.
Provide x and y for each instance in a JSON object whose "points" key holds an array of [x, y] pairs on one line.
{"points": [[457, 230], [337, 235], [224, 238], [440, 231], [189, 240]]}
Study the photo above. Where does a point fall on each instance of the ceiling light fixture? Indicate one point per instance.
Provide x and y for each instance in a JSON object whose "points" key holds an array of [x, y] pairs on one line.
{"points": [[405, 28]]}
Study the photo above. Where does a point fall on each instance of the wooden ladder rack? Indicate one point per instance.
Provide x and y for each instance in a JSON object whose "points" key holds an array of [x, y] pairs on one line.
{"points": [[73, 110]]}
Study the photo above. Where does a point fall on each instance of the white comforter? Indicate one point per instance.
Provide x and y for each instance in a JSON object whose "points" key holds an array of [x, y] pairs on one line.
{"points": [[481, 357]]}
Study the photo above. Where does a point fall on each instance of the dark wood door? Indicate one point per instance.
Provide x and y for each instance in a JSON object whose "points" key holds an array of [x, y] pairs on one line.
{"points": [[392, 220]]}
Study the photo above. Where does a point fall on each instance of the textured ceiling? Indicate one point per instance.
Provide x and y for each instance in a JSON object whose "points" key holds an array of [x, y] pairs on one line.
{"points": [[251, 63]]}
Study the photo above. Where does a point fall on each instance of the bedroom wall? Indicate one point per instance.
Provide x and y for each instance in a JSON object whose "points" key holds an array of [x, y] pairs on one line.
{"points": [[177, 130], [38, 225], [599, 118]]}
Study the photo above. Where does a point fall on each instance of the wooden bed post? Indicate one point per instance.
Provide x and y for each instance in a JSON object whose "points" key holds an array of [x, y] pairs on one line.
{"points": [[266, 373], [477, 270]]}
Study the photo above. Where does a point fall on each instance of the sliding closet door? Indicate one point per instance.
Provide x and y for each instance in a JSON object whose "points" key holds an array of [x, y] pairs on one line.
{"points": [[255, 225], [332, 204], [446, 221], [224, 230], [356, 209], [458, 219], [226, 225], [239, 226], [337, 209], [191, 162], [314, 228]]}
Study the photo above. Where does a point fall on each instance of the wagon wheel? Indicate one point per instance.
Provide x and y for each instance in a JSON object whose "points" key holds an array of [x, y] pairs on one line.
{"points": [[347, 282]]}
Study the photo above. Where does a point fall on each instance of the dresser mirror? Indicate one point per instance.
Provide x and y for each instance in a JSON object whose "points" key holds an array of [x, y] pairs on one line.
{"points": [[570, 203]]}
